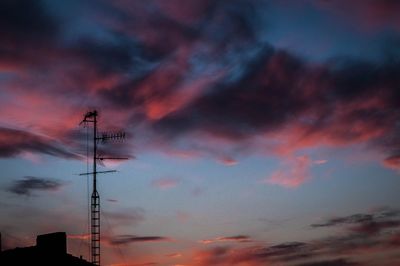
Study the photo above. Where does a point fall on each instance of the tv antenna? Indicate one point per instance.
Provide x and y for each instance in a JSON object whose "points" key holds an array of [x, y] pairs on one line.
{"points": [[91, 117]]}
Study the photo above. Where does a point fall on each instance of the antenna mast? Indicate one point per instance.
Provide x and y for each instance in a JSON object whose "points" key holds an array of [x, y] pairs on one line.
{"points": [[91, 117]]}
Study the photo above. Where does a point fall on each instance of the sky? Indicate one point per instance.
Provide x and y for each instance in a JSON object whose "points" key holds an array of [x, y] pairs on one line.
{"points": [[259, 132]]}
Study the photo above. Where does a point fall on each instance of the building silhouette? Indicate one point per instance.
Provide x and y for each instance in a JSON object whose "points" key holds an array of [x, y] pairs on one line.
{"points": [[50, 249]]}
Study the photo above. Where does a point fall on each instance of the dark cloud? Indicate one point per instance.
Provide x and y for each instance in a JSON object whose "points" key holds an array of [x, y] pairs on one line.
{"points": [[237, 238], [355, 218], [365, 234], [337, 104], [246, 108], [336, 262], [128, 239], [375, 227], [13, 142], [287, 252], [365, 222], [119, 55], [24, 19], [225, 26], [29, 184], [146, 264], [255, 255], [112, 200], [298, 253], [372, 15], [28, 33]]}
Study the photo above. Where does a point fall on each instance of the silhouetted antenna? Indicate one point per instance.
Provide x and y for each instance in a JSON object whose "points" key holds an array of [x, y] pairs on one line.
{"points": [[111, 136], [91, 117]]}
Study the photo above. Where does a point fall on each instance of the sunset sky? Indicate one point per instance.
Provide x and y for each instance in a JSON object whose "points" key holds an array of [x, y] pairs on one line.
{"points": [[259, 132]]}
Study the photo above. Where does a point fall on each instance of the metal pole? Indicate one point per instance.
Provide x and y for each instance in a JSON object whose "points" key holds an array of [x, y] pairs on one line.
{"points": [[95, 206], [95, 199]]}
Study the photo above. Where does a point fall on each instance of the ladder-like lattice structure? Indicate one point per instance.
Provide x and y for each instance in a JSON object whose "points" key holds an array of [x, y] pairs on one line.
{"points": [[95, 227]]}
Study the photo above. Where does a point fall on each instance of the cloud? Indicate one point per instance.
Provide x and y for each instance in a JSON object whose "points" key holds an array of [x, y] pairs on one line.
{"points": [[238, 238], [112, 200], [294, 173], [79, 236], [26, 28], [198, 77], [26, 19], [320, 161], [302, 107], [174, 255], [29, 184], [335, 262], [289, 251], [392, 162], [366, 224], [379, 215], [14, 142], [375, 227], [165, 183], [129, 239], [348, 246], [146, 264], [254, 255], [355, 218], [348, 250], [136, 264], [372, 15], [228, 161]]}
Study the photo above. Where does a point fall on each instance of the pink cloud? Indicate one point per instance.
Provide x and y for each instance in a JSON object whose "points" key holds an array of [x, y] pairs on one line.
{"points": [[392, 162], [229, 256], [293, 173], [228, 161], [320, 161], [238, 239], [159, 103], [174, 255], [165, 183], [79, 236]]}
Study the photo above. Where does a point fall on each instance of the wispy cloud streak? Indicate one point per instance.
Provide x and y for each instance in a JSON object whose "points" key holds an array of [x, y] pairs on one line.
{"points": [[30, 184]]}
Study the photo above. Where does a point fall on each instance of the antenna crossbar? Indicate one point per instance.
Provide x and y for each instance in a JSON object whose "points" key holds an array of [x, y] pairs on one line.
{"points": [[99, 172]]}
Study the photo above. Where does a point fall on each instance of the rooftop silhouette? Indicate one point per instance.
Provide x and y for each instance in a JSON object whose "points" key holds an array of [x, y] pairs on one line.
{"points": [[50, 249]]}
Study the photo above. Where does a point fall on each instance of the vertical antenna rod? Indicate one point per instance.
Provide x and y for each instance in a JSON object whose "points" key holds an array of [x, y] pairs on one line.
{"points": [[91, 117], [95, 200]]}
